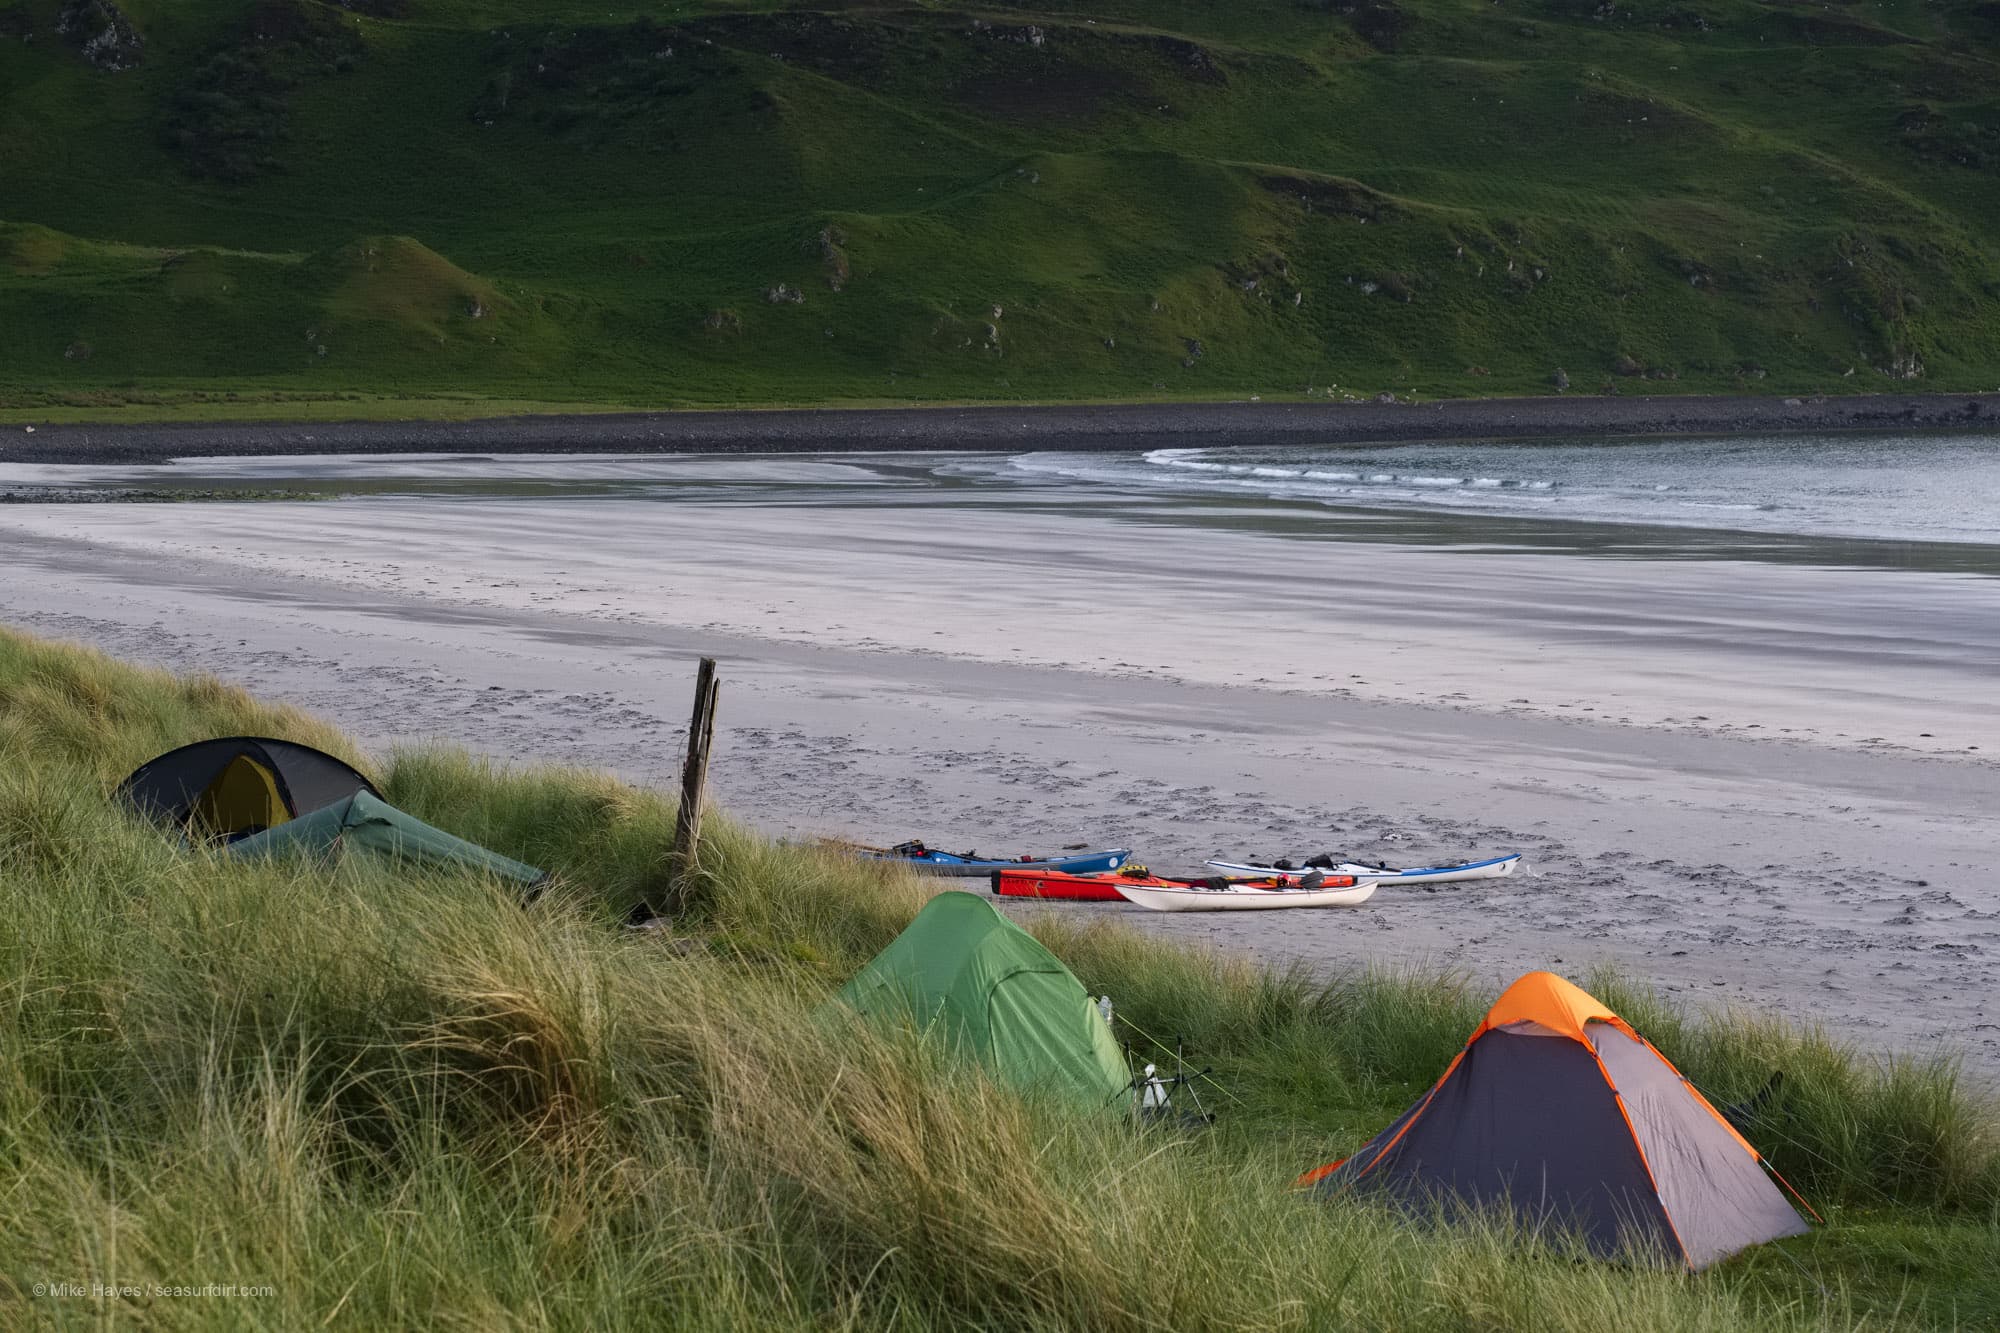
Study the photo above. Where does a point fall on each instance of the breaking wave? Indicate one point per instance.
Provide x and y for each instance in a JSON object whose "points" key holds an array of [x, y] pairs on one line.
{"points": [[1894, 488]]}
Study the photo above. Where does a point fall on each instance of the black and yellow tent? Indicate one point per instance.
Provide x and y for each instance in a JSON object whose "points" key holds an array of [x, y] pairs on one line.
{"points": [[235, 786], [1558, 1112]]}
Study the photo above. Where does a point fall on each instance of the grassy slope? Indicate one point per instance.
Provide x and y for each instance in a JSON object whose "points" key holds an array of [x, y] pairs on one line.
{"points": [[1706, 192], [400, 1099]]}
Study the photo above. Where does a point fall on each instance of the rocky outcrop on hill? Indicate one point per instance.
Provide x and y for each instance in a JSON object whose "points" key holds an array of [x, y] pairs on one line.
{"points": [[1027, 35], [101, 31], [833, 258]]}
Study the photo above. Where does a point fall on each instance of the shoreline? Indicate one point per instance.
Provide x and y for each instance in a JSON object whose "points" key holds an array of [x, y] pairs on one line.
{"points": [[1072, 428]]}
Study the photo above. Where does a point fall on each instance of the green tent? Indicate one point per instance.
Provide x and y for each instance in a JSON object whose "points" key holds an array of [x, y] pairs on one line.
{"points": [[363, 821], [998, 995]]}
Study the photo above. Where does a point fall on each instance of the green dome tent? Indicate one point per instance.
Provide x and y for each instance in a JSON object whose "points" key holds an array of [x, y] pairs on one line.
{"points": [[363, 821], [998, 995]]}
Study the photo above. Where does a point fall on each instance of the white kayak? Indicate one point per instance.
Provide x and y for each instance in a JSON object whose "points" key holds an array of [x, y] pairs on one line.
{"points": [[1494, 868], [1241, 897]]}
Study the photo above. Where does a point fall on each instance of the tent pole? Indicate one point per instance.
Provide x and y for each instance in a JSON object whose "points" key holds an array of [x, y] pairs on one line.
{"points": [[682, 892]]}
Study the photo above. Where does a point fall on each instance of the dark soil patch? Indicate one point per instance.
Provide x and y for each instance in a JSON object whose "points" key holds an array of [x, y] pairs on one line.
{"points": [[1828, 30], [1334, 197], [230, 119]]}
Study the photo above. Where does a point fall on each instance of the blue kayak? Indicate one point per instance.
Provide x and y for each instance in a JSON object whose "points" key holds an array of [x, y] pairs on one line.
{"points": [[930, 862]]}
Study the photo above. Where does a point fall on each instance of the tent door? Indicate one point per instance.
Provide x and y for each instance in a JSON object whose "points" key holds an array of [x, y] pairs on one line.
{"points": [[243, 799]]}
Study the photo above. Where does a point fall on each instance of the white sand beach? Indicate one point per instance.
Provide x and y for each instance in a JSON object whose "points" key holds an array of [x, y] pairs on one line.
{"points": [[1745, 778]]}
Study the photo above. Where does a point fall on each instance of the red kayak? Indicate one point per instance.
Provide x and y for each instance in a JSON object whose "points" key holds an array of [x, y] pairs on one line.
{"points": [[1104, 888]]}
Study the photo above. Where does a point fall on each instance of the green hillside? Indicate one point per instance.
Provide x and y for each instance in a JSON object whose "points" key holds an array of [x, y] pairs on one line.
{"points": [[747, 202]]}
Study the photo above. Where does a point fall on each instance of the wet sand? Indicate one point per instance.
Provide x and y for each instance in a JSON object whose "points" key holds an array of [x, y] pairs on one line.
{"points": [[1744, 781], [1067, 427]]}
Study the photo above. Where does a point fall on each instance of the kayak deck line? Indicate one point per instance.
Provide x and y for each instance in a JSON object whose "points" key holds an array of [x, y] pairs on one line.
{"points": [[932, 861], [1244, 897], [1026, 883], [1491, 868]]}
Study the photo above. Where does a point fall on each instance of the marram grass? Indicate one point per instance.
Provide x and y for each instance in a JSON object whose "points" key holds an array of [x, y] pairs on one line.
{"points": [[381, 1098]]}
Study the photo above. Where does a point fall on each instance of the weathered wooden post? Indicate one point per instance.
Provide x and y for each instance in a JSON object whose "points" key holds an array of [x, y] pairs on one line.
{"points": [[682, 884]]}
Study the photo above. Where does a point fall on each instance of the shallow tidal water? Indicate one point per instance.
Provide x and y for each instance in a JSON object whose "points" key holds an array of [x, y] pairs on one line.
{"points": [[1925, 502], [1907, 488]]}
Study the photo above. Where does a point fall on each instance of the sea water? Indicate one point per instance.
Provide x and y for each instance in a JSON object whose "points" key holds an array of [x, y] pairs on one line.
{"points": [[1800, 497], [1895, 488]]}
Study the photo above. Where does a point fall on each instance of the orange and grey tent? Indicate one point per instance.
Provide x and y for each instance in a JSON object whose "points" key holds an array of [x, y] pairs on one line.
{"points": [[235, 786], [1559, 1112]]}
